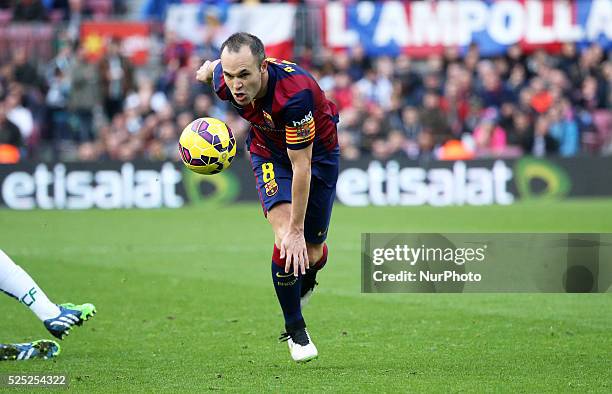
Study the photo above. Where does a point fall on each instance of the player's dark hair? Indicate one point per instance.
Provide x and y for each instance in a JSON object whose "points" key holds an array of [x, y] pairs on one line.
{"points": [[238, 40]]}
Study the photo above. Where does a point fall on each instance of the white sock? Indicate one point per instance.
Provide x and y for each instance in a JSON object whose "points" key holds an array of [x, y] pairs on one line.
{"points": [[17, 283]]}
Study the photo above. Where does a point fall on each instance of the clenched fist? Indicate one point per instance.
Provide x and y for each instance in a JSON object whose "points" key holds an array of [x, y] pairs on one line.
{"points": [[205, 72]]}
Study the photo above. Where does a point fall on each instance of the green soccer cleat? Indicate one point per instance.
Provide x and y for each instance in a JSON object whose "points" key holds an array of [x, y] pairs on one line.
{"points": [[70, 315], [43, 349]]}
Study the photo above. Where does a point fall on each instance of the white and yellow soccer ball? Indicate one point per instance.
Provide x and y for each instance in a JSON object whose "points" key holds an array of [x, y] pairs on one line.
{"points": [[207, 146]]}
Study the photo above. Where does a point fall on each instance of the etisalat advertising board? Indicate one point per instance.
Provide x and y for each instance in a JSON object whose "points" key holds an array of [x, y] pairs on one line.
{"points": [[110, 185]]}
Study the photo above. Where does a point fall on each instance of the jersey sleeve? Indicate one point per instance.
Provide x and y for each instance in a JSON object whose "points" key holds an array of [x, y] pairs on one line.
{"points": [[299, 120], [218, 83]]}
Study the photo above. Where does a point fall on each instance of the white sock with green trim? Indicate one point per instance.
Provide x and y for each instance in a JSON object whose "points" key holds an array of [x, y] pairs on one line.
{"points": [[17, 283]]}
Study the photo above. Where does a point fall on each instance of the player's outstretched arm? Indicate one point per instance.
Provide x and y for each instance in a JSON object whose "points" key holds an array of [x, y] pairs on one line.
{"points": [[205, 72], [293, 245]]}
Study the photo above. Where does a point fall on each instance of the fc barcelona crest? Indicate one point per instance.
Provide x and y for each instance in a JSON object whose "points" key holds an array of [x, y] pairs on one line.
{"points": [[302, 131], [271, 188], [268, 120]]}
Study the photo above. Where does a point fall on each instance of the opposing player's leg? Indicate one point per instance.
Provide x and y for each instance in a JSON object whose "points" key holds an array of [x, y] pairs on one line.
{"points": [[15, 282], [43, 349], [58, 319]]}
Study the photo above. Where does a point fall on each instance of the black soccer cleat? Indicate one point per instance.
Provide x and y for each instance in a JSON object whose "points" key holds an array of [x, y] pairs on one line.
{"points": [[308, 286]]}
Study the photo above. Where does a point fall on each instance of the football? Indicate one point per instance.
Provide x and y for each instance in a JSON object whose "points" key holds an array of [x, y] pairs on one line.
{"points": [[207, 146]]}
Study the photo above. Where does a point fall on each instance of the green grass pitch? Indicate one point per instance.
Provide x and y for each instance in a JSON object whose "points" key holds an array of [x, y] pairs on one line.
{"points": [[185, 303]]}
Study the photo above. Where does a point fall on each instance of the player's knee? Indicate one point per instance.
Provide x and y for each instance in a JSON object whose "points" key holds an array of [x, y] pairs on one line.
{"points": [[315, 252], [279, 217]]}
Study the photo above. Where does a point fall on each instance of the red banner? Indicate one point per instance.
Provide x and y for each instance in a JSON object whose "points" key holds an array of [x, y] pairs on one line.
{"points": [[134, 38]]}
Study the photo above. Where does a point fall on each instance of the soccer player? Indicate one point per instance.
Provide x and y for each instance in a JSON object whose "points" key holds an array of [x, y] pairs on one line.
{"points": [[58, 319], [294, 155]]}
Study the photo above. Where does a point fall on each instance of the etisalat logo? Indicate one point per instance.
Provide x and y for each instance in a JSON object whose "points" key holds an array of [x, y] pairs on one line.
{"points": [[412, 256]]}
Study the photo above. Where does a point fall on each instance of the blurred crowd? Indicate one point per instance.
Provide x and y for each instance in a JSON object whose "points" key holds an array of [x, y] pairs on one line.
{"points": [[463, 107], [59, 10], [450, 106], [74, 109]]}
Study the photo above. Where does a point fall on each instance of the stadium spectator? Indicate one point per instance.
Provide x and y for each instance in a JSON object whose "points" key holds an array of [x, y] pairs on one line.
{"points": [[519, 132], [360, 62], [541, 98], [455, 106], [177, 51], [25, 73], [84, 96], [506, 115], [342, 92], [409, 123], [541, 143], [426, 146], [492, 92], [517, 80], [56, 123], [433, 119], [564, 129], [489, 137], [372, 131], [9, 132], [18, 114], [116, 75], [409, 81]]}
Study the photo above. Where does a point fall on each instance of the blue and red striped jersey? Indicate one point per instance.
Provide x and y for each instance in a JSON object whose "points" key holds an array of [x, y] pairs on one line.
{"points": [[293, 114]]}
